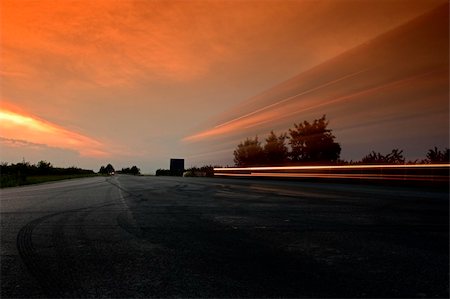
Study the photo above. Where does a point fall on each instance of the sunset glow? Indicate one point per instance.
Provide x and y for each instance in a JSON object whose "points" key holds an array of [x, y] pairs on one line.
{"points": [[15, 126], [102, 81], [285, 108]]}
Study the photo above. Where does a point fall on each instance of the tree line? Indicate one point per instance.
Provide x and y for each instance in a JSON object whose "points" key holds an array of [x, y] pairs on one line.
{"points": [[23, 173], [20, 173], [314, 142], [203, 171], [109, 170]]}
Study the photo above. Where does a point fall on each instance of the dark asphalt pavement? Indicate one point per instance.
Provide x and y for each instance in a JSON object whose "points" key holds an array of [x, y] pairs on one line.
{"points": [[126, 236]]}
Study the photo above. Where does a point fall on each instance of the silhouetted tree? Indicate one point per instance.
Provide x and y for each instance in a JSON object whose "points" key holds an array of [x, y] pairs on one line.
{"points": [[394, 157], [204, 171], [102, 170], [436, 156], [249, 153], [44, 167], [162, 172], [275, 149], [124, 170], [109, 169], [19, 174], [313, 142], [135, 170], [374, 158]]}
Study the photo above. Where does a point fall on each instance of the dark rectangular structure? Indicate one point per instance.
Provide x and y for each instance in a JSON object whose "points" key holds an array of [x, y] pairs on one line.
{"points": [[176, 166]]}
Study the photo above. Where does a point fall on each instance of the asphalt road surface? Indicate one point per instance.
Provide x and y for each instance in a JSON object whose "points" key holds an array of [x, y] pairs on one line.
{"points": [[126, 236]]}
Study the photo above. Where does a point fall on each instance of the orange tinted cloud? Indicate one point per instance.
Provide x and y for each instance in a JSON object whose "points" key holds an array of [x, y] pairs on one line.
{"points": [[121, 42], [111, 43], [300, 103], [269, 113], [99, 42], [25, 127], [399, 71]]}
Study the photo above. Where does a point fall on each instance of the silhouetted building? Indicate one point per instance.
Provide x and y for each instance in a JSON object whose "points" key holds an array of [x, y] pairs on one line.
{"points": [[176, 166]]}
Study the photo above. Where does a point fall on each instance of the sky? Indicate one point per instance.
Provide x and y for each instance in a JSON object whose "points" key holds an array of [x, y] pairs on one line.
{"points": [[87, 83]]}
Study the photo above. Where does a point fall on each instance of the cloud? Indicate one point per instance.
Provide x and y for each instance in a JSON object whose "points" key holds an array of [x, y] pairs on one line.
{"points": [[280, 109], [19, 128], [400, 70], [110, 43], [20, 143]]}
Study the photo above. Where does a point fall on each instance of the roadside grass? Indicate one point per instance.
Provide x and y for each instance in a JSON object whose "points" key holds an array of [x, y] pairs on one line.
{"points": [[13, 181]]}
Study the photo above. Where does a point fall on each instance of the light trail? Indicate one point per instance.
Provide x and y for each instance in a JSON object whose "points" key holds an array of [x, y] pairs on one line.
{"points": [[323, 167], [411, 172], [397, 177]]}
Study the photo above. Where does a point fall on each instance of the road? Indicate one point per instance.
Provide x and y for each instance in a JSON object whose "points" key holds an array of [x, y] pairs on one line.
{"points": [[127, 236]]}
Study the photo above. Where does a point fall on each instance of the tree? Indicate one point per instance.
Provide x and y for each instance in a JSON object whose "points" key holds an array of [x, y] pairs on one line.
{"points": [[135, 170], [374, 158], [394, 157], [102, 170], [162, 172], [436, 156], [275, 149], [313, 142], [109, 169], [44, 167], [249, 153]]}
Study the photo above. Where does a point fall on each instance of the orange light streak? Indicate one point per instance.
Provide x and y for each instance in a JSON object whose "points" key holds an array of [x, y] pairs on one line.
{"points": [[325, 167], [339, 176], [312, 172]]}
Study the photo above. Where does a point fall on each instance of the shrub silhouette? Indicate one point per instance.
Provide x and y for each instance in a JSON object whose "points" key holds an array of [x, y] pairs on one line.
{"points": [[436, 156], [249, 153]]}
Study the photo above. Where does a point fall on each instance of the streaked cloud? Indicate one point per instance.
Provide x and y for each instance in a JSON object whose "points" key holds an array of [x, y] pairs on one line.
{"points": [[393, 76], [281, 109], [20, 143], [18, 128]]}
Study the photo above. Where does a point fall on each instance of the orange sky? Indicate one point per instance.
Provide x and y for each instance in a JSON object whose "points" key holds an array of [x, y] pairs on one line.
{"points": [[138, 82]]}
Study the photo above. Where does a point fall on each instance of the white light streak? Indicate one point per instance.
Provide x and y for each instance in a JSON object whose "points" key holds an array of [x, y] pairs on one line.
{"points": [[325, 167]]}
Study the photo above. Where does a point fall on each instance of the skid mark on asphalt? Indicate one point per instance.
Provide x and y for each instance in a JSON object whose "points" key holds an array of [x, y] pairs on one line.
{"points": [[65, 258], [51, 283], [32, 261], [90, 249]]}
